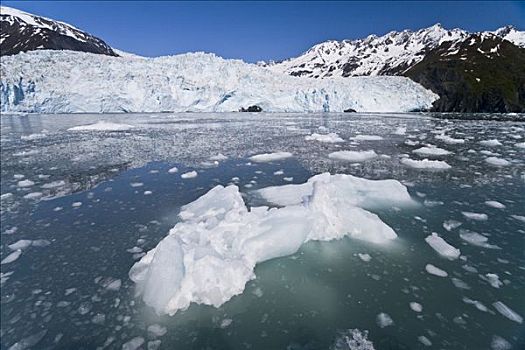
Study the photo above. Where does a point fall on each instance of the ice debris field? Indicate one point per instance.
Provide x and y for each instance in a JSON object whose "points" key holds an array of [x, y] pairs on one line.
{"points": [[194, 230]]}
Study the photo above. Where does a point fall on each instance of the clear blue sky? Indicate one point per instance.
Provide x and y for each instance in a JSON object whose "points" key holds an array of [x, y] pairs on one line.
{"points": [[256, 31]]}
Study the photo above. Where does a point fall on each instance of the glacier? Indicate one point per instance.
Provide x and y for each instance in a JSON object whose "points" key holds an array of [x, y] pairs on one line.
{"points": [[48, 81], [210, 255]]}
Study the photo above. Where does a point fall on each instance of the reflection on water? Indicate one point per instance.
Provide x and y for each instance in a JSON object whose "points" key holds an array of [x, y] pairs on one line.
{"points": [[107, 197]]}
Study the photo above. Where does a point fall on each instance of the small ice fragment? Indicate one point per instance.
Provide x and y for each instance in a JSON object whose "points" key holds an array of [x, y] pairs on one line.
{"points": [[449, 225], [353, 156], [499, 343], [493, 279], [475, 216], [288, 179], [76, 204], [384, 320], [477, 239], [459, 283], [6, 196], [326, 138], [173, 170], [364, 257], [114, 285], [431, 269], [270, 157], [520, 144], [33, 195], [11, 257], [136, 184], [366, 138], [424, 340], [490, 143], [102, 126], [426, 164], [400, 130], [417, 307], [352, 339], [98, 318], [479, 305], [133, 344], [442, 247], [279, 172], [157, 330], [226, 322], [507, 312], [29, 341], [218, 157], [189, 175], [519, 217], [54, 184], [495, 204], [431, 151], [25, 183], [449, 140], [21, 244], [154, 344], [497, 161], [147, 193]]}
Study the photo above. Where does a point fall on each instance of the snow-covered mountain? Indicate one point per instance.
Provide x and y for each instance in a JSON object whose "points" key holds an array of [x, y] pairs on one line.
{"points": [[50, 81], [391, 54], [22, 31]]}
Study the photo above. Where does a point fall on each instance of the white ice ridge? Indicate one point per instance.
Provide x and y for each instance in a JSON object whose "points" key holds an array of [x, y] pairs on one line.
{"points": [[49, 81], [210, 255]]}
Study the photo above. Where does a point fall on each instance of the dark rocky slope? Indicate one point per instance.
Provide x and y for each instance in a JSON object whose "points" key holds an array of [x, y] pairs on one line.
{"points": [[482, 73], [20, 31]]}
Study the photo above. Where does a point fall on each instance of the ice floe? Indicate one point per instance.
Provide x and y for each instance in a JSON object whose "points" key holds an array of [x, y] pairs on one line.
{"points": [[353, 156], [436, 271], [475, 216], [490, 143], [499, 343], [220, 236], [442, 247], [384, 320], [495, 204], [425, 164], [507, 312], [327, 138], [11, 257], [449, 140], [477, 239], [367, 138], [497, 161], [102, 126], [416, 307], [431, 151], [189, 175], [270, 157]]}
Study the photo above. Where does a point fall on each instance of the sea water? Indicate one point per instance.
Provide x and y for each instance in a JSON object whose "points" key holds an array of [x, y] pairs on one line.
{"points": [[79, 208]]}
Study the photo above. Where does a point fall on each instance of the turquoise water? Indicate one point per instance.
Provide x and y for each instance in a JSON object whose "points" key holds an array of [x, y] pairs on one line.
{"points": [[74, 292]]}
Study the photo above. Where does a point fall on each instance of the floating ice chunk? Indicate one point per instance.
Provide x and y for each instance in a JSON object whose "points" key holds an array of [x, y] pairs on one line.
{"points": [[29, 342], [157, 330], [326, 138], [353, 339], [270, 157], [400, 130], [189, 175], [102, 126], [497, 161], [147, 193], [366, 138], [384, 320], [495, 204], [6, 196], [479, 305], [493, 279], [424, 340], [219, 157], [449, 140], [133, 344], [220, 236], [499, 343], [490, 143], [25, 183], [11, 257], [226, 323], [459, 283], [443, 248], [361, 192], [520, 144], [431, 269], [173, 170], [364, 257], [475, 216], [54, 184], [353, 156], [114, 285], [136, 184], [76, 204], [417, 307], [519, 217], [21, 244], [507, 312], [33, 195], [449, 225], [477, 239], [431, 151], [425, 164], [154, 344]]}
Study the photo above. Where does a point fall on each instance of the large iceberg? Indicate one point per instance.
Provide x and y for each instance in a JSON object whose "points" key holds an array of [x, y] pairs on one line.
{"points": [[46, 81], [210, 255]]}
